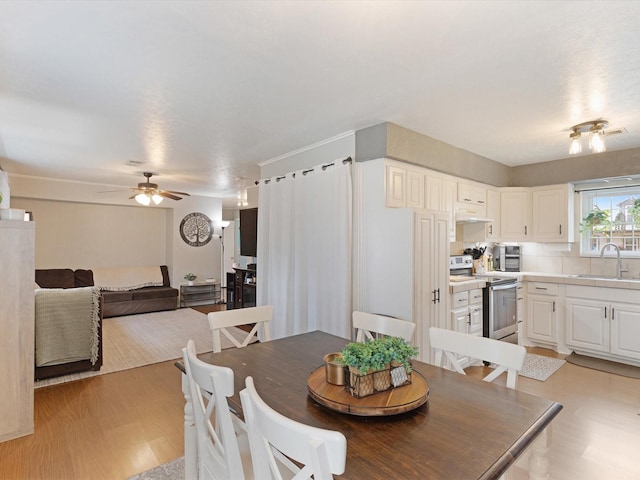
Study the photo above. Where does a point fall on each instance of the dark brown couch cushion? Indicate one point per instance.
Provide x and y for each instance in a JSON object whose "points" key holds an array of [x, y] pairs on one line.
{"points": [[148, 293], [83, 278], [110, 297], [55, 278]]}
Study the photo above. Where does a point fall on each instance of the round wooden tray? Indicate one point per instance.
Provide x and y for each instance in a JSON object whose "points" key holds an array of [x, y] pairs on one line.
{"points": [[390, 402]]}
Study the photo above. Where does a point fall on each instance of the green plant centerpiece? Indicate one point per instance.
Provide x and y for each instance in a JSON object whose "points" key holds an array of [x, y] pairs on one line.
{"points": [[378, 364], [190, 277]]}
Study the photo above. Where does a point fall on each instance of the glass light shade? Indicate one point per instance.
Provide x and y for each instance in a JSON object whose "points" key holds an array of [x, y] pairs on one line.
{"points": [[143, 199], [223, 223], [576, 146], [597, 142], [156, 199]]}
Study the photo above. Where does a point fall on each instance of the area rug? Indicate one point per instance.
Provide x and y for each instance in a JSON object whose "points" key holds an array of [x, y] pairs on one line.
{"points": [[604, 365], [173, 470], [136, 340], [539, 367]]}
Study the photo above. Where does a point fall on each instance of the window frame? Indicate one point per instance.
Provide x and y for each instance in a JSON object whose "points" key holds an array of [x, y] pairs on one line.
{"points": [[590, 245]]}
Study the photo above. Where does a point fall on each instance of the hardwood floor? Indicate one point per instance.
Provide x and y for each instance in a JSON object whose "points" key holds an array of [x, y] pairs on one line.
{"points": [[116, 425]]}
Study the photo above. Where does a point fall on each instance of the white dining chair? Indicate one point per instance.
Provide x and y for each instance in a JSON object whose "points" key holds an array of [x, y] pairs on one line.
{"points": [[220, 321], [507, 357], [223, 450], [368, 324], [321, 452]]}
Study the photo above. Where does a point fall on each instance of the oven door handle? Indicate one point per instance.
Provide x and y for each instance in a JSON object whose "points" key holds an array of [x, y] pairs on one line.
{"points": [[505, 286]]}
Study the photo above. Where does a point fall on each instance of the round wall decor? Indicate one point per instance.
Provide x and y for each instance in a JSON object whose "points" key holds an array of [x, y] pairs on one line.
{"points": [[196, 229]]}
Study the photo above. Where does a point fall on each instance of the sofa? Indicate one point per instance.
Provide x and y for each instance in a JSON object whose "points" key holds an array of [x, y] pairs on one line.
{"points": [[68, 328], [124, 290]]}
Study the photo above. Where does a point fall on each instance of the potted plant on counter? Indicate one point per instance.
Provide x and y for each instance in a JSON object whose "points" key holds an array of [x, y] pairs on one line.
{"points": [[190, 277]]}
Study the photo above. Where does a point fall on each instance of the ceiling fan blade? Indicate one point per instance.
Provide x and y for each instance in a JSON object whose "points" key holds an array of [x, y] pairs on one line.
{"points": [[165, 194], [132, 197], [177, 193], [113, 191]]}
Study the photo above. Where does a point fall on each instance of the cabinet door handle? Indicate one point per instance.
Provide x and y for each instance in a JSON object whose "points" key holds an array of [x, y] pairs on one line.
{"points": [[469, 321], [541, 288], [525, 229], [438, 290], [467, 199], [605, 312], [481, 202], [433, 300], [560, 229], [554, 307], [613, 313]]}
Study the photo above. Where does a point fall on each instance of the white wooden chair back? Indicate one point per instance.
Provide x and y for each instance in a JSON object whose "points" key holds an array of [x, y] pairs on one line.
{"points": [[221, 455], [366, 324], [321, 452], [220, 321], [507, 357]]}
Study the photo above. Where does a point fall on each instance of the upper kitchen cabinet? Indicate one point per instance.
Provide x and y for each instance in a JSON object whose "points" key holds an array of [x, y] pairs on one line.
{"points": [[552, 213], [395, 186], [515, 213], [440, 194], [404, 187], [472, 193], [492, 228]]}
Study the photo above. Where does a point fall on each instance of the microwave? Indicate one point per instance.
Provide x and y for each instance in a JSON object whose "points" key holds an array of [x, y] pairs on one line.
{"points": [[506, 258]]}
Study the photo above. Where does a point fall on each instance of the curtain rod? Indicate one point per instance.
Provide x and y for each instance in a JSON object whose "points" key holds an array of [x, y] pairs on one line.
{"points": [[304, 172]]}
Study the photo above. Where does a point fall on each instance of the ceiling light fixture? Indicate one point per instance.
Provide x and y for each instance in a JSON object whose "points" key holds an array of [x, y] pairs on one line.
{"points": [[595, 129], [146, 198]]}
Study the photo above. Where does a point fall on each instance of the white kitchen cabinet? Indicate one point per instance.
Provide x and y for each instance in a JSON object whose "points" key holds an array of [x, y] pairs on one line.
{"points": [[16, 328], [402, 263], [440, 194], [395, 186], [542, 312], [472, 193], [404, 187], [415, 189], [604, 322], [492, 228], [552, 213], [466, 316], [515, 212]]}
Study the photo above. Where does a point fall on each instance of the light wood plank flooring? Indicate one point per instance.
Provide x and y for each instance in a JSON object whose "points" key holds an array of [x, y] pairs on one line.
{"points": [[116, 425]]}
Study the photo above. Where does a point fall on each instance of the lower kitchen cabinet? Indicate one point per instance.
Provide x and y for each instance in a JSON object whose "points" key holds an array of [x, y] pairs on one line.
{"points": [[597, 324], [542, 312]]}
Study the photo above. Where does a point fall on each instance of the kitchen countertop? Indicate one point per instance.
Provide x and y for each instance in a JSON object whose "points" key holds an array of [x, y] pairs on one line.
{"points": [[567, 279]]}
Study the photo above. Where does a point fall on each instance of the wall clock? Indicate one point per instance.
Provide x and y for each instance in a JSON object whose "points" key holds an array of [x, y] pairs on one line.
{"points": [[196, 229]]}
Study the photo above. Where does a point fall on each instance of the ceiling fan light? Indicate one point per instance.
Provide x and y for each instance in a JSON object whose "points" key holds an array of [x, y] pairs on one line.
{"points": [[156, 199], [143, 199]]}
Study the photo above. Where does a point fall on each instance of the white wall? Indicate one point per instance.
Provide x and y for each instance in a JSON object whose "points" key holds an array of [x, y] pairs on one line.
{"points": [[84, 235], [70, 216]]}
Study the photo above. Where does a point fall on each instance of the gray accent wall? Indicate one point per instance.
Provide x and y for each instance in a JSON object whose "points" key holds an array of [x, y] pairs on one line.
{"points": [[387, 140], [583, 167]]}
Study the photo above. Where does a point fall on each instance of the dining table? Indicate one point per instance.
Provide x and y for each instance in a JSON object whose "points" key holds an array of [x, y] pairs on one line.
{"points": [[467, 429]]}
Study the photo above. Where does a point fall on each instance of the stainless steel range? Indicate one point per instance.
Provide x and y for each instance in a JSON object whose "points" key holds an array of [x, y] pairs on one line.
{"points": [[499, 303]]}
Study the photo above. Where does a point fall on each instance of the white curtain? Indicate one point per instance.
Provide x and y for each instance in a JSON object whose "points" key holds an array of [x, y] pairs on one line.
{"points": [[304, 250]]}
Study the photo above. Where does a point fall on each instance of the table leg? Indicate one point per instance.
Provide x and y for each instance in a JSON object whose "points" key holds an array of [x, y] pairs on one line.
{"points": [[538, 461], [190, 439]]}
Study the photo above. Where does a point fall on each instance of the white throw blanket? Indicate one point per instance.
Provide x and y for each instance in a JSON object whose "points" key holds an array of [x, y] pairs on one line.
{"points": [[127, 278], [66, 325]]}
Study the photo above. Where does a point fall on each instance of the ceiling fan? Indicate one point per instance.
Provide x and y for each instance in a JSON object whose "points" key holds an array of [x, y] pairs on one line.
{"points": [[148, 192]]}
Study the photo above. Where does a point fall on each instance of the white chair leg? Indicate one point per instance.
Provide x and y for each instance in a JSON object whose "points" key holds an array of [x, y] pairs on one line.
{"points": [[190, 438]]}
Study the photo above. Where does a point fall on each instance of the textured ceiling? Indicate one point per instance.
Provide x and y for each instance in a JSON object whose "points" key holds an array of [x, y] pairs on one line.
{"points": [[200, 92]]}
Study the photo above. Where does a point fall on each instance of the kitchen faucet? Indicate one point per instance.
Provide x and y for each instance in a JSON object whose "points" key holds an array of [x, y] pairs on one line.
{"points": [[619, 269]]}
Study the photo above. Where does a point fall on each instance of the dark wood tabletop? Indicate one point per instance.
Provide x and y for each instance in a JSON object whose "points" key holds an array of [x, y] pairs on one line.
{"points": [[469, 429]]}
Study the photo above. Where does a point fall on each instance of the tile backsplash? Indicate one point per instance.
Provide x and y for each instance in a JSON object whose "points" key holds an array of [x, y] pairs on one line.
{"points": [[563, 258]]}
